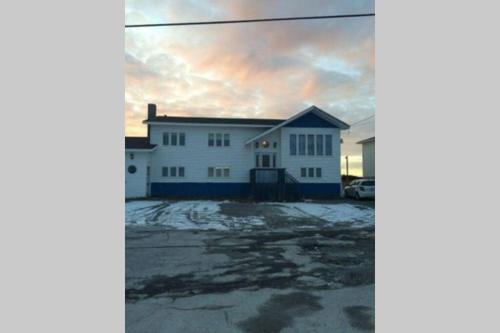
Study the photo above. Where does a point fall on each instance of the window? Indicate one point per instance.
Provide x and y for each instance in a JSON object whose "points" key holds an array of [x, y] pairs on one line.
{"points": [[132, 169], [274, 160], [173, 172], [181, 171], [218, 139], [310, 172], [275, 144], [328, 145], [219, 172], [257, 144], [256, 160], [173, 139], [182, 139], [318, 172], [293, 144], [303, 172], [319, 145], [226, 140], [165, 139], [211, 139], [164, 172], [310, 144], [302, 144], [131, 156]]}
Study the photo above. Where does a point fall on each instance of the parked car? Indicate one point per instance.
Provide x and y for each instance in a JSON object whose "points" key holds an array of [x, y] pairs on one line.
{"points": [[360, 188]]}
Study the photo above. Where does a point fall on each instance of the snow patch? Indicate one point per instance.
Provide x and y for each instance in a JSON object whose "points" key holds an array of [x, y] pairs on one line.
{"points": [[332, 213], [186, 215]]}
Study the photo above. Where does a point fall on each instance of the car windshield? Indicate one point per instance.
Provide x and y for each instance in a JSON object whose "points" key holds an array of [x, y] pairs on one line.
{"points": [[369, 183]]}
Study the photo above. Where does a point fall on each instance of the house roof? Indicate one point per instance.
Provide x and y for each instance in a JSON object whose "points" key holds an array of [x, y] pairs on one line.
{"points": [[372, 139], [136, 142], [312, 109], [213, 120]]}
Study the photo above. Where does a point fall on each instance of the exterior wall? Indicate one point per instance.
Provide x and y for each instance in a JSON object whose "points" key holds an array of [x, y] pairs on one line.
{"points": [[136, 184], [330, 164], [196, 156], [369, 159], [271, 138]]}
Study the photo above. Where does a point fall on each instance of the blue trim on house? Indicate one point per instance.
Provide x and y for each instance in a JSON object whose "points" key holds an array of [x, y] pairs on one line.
{"points": [[221, 190], [310, 120], [323, 190], [235, 190]]}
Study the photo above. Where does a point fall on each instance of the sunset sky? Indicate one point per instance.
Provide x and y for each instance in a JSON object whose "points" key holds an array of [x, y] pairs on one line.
{"points": [[258, 70]]}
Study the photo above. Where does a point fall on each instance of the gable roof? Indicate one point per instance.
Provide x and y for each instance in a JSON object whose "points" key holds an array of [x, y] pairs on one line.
{"points": [[213, 120], [136, 142], [312, 109], [372, 139]]}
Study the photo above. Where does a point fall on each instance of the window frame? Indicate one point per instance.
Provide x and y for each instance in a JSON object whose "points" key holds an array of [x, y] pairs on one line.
{"points": [[226, 138], [328, 145], [311, 144], [302, 145], [319, 173], [319, 144], [293, 144]]}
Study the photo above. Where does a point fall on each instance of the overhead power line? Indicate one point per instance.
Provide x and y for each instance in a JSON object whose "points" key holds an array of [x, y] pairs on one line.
{"points": [[362, 120], [248, 21]]}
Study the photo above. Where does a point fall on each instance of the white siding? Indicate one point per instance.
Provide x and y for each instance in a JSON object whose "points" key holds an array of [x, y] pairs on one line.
{"points": [[136, 184], [330, 165], [369, 159], [196, 156]]}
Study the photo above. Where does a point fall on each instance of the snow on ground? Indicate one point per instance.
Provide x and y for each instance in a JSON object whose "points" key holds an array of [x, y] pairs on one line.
{"points": [[202, 215], [333, 213]]}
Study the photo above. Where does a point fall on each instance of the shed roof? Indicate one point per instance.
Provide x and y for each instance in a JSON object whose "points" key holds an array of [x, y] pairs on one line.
{"points": [[372, 139]]}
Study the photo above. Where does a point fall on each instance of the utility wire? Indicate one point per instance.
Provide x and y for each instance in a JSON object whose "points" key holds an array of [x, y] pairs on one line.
{"points": [[362, 120], [248, 21]]}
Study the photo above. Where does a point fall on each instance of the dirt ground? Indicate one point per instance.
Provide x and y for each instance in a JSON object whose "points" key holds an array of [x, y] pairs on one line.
{"points": [[289, 280]]}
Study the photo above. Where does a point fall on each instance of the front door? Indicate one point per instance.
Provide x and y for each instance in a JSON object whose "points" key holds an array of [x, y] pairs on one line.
{"points": [[266, 161]]}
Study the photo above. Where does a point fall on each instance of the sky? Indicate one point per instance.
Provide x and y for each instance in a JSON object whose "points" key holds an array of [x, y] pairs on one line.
{"points": [[256, 70]]}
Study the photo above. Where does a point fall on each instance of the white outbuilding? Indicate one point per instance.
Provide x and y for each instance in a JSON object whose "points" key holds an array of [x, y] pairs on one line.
{"points": [[368, 146]]}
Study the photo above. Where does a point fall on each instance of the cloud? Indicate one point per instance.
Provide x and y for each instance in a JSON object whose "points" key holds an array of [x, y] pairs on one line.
{"points": [[270, 70]]}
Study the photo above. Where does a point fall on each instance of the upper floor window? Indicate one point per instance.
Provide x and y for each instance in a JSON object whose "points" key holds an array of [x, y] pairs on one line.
{"points": [[319, 145], [293, 144], [302, 144], [174, 139], [219, 140], [310, 144], [328, 145]]}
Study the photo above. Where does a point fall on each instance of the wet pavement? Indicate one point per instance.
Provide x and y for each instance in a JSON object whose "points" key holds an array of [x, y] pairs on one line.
{"points": [[288, 280]]}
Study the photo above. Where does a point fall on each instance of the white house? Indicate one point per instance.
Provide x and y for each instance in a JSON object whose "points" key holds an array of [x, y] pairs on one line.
{"points": [[214, 157], [368, 147]]}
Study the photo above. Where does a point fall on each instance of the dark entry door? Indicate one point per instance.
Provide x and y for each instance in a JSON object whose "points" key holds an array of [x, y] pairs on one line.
{"points": [[266, 161]]}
